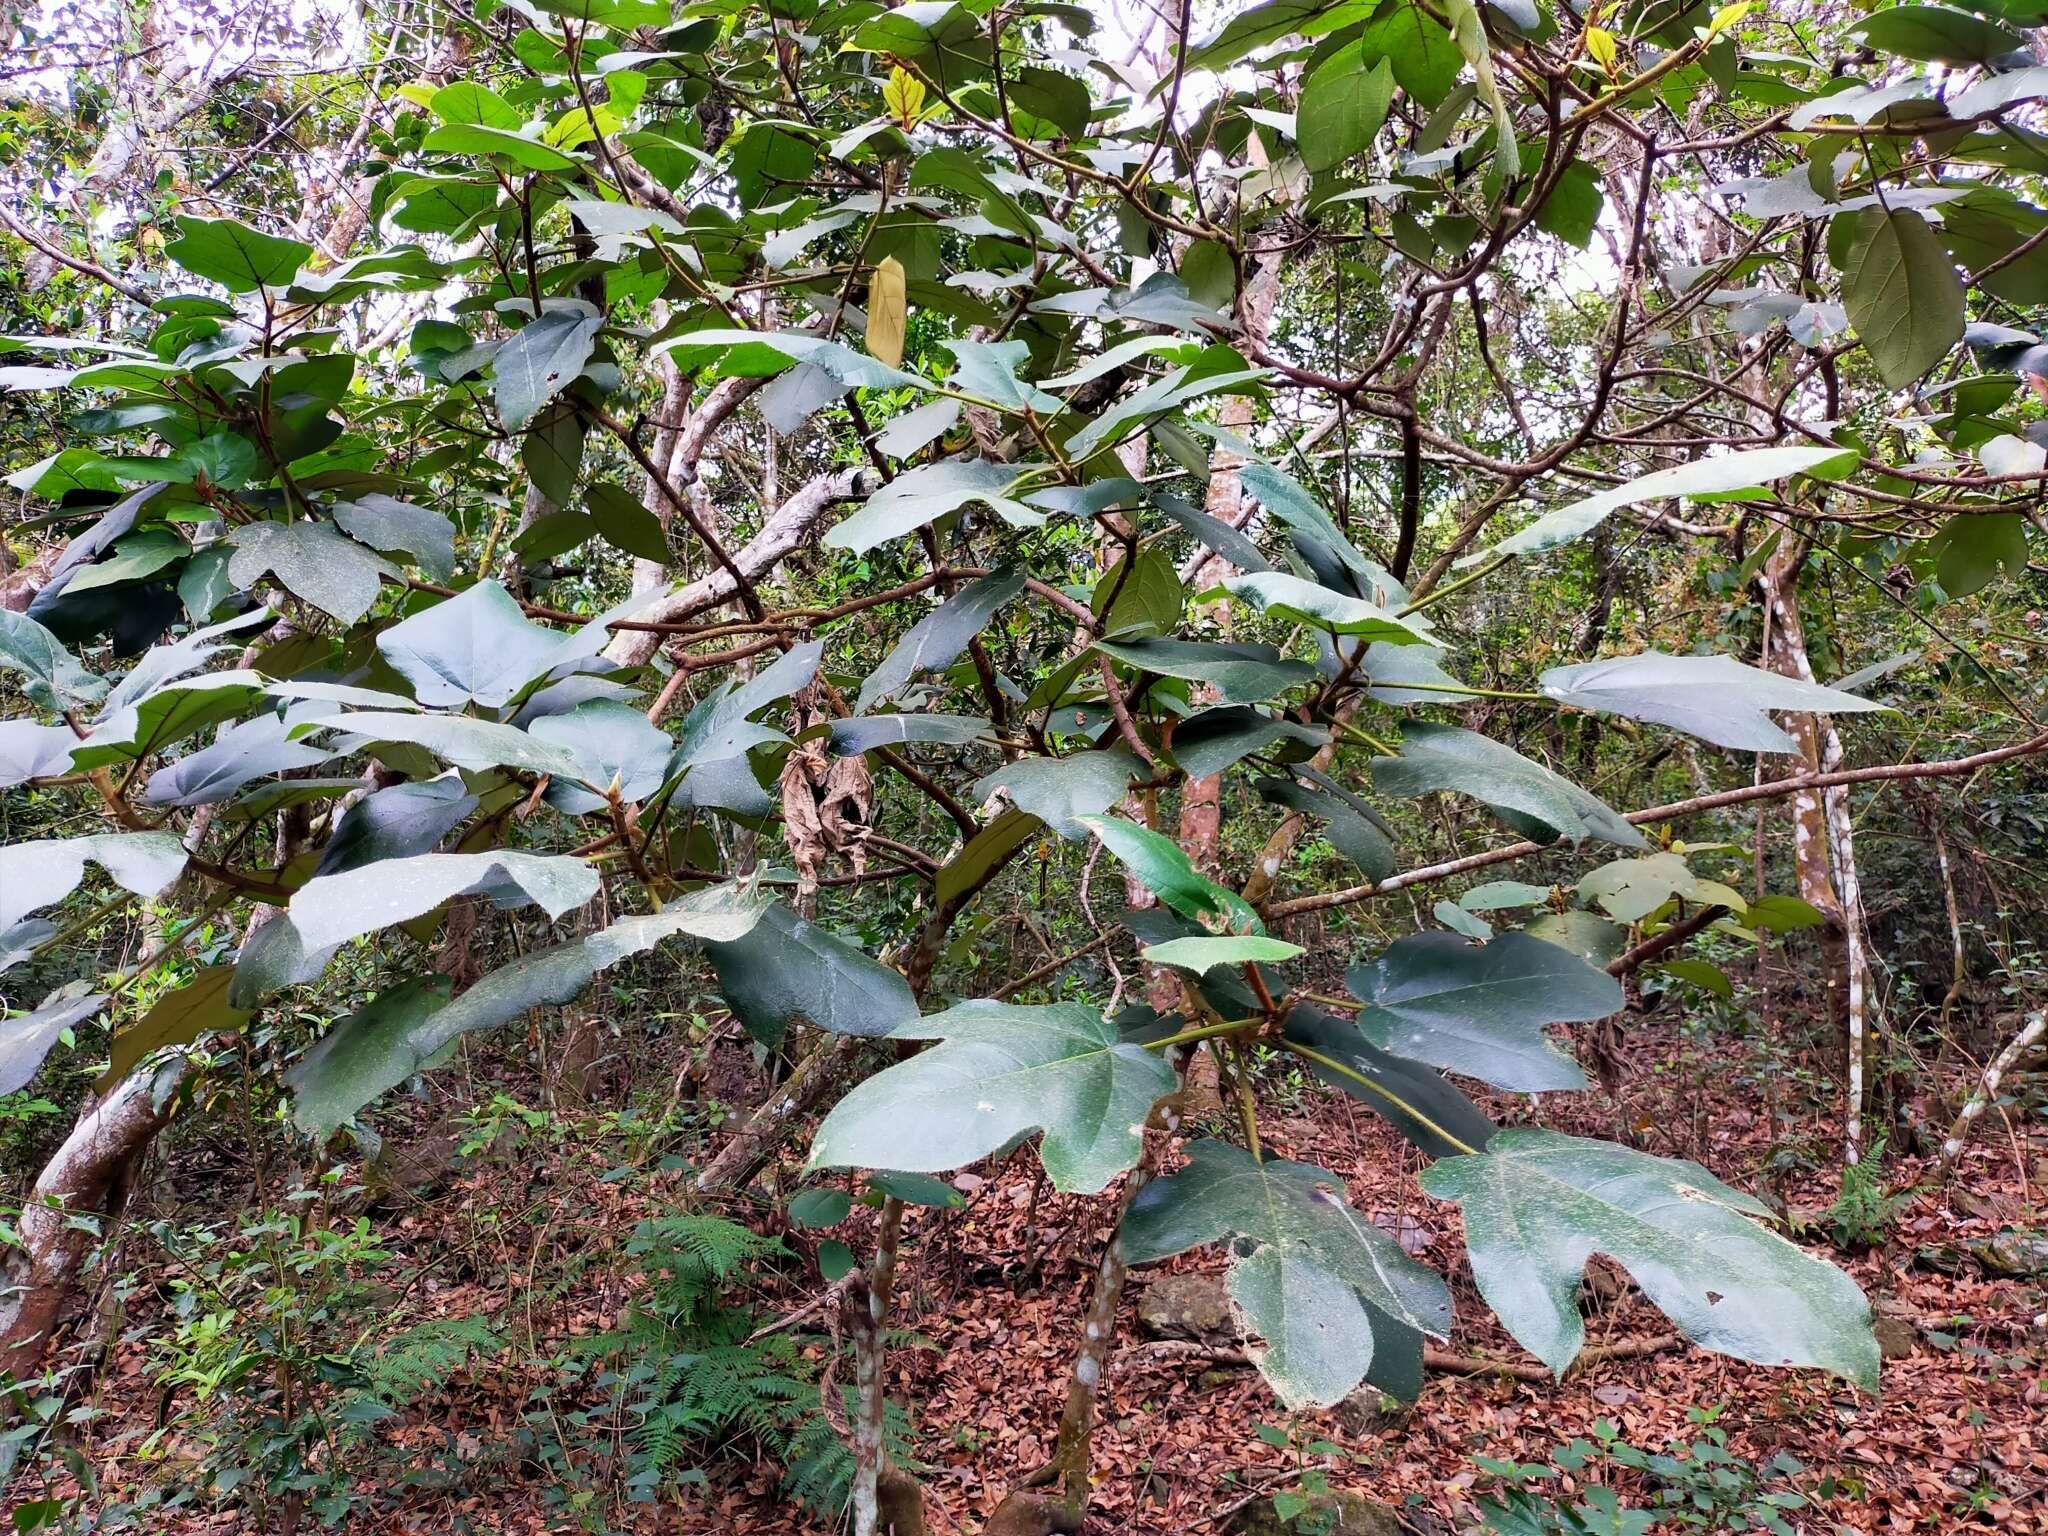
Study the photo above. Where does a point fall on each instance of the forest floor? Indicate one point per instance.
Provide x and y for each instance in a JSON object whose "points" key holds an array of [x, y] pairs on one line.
{"points": [[990, 1297]]}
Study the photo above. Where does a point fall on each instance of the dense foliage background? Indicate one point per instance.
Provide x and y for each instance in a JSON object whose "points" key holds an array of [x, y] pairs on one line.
{"points": [[694, 691]]}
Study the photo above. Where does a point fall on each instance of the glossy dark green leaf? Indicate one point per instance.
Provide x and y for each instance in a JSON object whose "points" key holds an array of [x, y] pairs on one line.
{"points": [[399, 822], [1138, 598], [1164, 870], [941, 635], [1413, 1098], [1313, 1266], [787, 970], [1901, 291], [1241, 674], [1531, 798], [1481, 1009], [1209, 742], [1353, 828], [1058, 790], [1001, 1073]]}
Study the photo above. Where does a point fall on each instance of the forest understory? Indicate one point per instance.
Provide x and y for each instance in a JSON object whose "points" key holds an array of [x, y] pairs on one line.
{"points": [[518, 1218]]}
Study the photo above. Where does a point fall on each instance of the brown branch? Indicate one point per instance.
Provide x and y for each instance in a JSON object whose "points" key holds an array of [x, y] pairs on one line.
{"points": [[1663, 943], [1770, 790]]}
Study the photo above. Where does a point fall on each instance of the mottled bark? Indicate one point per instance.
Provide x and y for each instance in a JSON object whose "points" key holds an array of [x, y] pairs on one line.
{"points": [[85, 1180]]}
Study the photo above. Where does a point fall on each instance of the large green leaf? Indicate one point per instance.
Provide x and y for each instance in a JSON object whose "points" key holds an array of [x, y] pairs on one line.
{"points": [[1289, 597], [398, 822], [1425, 60], [311, 561], [911, 500], [613, 743], [35, 874], [1937, 33], [1138, 598], [1629, 890], [31, 751], [332, 909], [52, 676], [1167, 872], [1973, 550], [1209, 742], [541, 360], [178, 1017], [941, 635], [476, 647], [1257, 25], [1528, 796], [456, 739], [760, 354], [787, 970], [864, 733], [403, 1030], [1714, 698], [1902, 293], [1001, 1073], [252, 750], [1343, 106], [1059, 790], [1416, 1100], [232, 254], [1204, 952], [1537, 1205], [1218, 369], [1719, 476], [25, 1041], [1241, 674], [1481, 1009], [398, 527], [1289, 501], [478, 139], [1353, 828], [168, 714], [1317, 1277]]}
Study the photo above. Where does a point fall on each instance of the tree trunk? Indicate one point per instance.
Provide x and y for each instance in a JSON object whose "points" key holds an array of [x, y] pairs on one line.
{"points": [[86, 1179], [1823, 839]]}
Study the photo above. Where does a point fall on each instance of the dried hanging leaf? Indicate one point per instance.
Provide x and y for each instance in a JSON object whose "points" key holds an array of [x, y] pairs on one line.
{"points": [[888, 306]]}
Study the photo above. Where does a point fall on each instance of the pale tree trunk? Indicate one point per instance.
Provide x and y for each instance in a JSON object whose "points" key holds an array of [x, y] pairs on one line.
{"points": [[1823, 839], [85, 1181]]}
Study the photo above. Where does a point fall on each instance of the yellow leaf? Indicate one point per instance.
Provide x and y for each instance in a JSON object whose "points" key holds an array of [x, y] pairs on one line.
{"points": [[903, 96], [888, 306], [1727, 16], [1600, 44]]}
